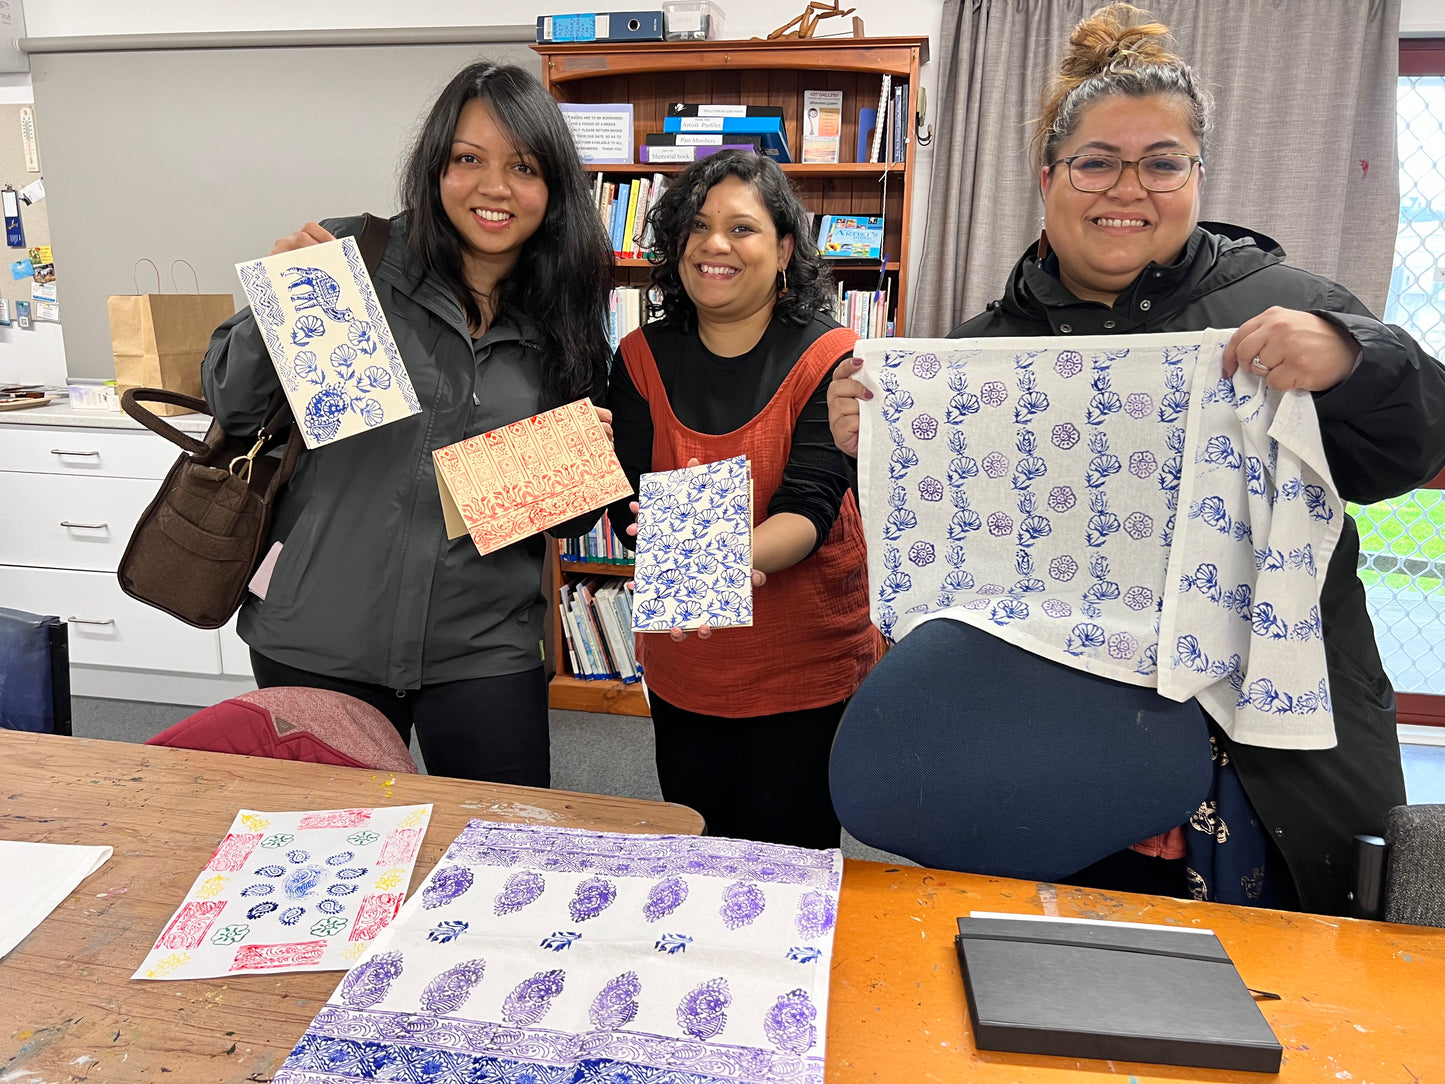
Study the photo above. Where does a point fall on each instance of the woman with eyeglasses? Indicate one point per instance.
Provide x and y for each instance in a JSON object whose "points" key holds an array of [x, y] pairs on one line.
{"points": [[1120, 149]]}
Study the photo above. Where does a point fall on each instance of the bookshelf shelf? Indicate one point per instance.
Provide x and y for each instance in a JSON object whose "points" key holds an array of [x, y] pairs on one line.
{"points": [[650, 75], [596, 568]]}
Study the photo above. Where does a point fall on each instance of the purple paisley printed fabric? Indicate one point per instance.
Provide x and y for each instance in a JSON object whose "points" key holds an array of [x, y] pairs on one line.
{"points": [[447, 991], [520, 890], [550, 954], [366, 984], [664, 898], [702, 1013], [789, 1024], [615, 1005], [741, 904], [530, 1001], [593, 896]]}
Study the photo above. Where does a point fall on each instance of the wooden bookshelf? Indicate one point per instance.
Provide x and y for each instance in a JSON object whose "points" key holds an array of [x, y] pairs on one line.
{"points": [[754, 72]]}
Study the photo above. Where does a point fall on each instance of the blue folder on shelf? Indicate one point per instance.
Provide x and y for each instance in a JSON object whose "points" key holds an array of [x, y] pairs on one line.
{"points": [[770, 129]]}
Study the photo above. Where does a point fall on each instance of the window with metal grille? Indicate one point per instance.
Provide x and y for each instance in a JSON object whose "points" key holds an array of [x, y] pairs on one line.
{"points": [[1402, 541]]}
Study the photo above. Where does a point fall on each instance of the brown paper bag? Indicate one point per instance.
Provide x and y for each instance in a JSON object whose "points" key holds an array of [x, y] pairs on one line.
{"points": [[159, 339]]}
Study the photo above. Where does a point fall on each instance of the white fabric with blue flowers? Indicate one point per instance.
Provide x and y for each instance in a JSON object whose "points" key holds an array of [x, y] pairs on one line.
{"points": [[1112, 503], [557, 956]]}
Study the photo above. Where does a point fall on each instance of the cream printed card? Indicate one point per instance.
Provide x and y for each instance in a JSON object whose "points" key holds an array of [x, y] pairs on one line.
{"points": [[694, 548], [303, 891], [522, 478], [329, 340]]}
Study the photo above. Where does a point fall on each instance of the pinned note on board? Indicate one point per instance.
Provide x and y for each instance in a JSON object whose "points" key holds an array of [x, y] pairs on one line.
{"points": [[14, 229]]}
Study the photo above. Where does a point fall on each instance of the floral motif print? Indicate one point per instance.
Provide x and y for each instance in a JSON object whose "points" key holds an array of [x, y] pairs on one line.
{"points": [[449, 990], [702, 1013], [664, 898], [446, 885], [593, 896], [366, 984], [817, 911], [741, 904], [789, 1024], [532, 998], [615, 1005], [520, 890]]}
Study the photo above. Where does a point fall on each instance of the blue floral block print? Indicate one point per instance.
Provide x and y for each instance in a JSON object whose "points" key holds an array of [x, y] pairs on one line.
{"points": [[1111, 503], [571, 956], [329, 340], [694, 548]]}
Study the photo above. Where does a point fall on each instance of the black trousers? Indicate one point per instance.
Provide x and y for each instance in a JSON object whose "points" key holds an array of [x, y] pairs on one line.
{"points": [[490, 729], [763, 778]]}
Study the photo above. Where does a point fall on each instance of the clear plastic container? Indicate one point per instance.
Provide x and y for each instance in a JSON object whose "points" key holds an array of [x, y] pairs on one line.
{"points": [[94, 396], [691, 20]]}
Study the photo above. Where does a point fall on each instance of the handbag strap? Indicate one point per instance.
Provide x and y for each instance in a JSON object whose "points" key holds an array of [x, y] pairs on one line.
{"points": [[130, 402]]}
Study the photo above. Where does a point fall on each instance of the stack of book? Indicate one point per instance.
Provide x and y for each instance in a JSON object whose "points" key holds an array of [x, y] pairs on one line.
{"points": [[596, 616], [865, 311], [883, 132], [623, 206], [759, 126], [600, 544]]}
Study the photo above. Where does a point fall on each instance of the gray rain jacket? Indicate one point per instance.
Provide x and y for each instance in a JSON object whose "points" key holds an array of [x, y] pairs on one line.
{"points": [[368, 587]]}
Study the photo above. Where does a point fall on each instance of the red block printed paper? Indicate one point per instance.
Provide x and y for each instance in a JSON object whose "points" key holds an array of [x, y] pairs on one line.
{"points": [[512, 482], [303, 891]]}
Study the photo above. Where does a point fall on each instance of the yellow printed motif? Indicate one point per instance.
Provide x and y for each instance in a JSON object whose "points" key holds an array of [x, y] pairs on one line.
{"points": [[415, 817], [388, 880], [352, 951], [209, 890], [168, 964], [254, 822]]}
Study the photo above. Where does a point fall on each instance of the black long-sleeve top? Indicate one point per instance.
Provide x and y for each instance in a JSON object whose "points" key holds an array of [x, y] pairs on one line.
{"points": [[715, 395]]}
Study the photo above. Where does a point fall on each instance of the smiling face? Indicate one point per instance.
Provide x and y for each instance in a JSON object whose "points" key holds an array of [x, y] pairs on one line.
{"points": [[493, 194], [732, 255], [1104, 239]]}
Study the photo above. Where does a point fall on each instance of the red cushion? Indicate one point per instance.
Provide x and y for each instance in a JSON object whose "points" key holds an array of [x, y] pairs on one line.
{"points": [[282, 724]]}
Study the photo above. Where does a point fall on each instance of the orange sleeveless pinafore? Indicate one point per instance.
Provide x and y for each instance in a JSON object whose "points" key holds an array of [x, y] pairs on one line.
{"points": [[811, 643]]}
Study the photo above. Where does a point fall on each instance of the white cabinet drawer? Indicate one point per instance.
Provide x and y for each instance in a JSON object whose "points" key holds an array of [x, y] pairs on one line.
{"points": [[235, 655], [64, 522], [110, 453], [108, 628]]}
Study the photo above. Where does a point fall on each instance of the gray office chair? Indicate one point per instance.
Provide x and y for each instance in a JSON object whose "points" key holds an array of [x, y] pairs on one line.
{"points": [[1401, 878], [34, 673]]}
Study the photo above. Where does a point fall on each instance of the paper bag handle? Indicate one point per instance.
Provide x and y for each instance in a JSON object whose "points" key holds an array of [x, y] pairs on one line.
{"points": [[194, 277], [135, 274]]}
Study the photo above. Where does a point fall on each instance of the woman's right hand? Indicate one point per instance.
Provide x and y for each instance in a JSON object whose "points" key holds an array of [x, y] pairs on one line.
{"points": [[307, 235], [844, 391]]}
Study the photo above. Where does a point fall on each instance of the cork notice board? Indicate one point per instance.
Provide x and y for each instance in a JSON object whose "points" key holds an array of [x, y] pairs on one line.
{"points": [[33, 216]]}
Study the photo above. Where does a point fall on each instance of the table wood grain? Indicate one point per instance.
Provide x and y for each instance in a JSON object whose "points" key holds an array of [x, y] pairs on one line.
{"points": [[69, 1010]]}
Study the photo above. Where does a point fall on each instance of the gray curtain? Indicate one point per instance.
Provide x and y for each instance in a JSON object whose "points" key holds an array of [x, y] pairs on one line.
{"points": [[1303, 148]]}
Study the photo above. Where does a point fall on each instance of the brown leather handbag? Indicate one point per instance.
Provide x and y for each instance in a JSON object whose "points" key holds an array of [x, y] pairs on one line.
{"points": [[196, 546]]}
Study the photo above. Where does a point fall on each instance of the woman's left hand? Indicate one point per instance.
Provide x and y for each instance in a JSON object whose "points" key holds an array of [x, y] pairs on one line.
{"points": [[1293, 349], [605, 417]]}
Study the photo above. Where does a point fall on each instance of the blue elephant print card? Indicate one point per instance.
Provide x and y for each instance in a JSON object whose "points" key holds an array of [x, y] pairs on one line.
{"points": [[695, 548], [329, 340]]}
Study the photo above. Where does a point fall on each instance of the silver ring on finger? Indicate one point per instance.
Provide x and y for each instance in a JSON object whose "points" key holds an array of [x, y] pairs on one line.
{"points": [[1257, 365]]}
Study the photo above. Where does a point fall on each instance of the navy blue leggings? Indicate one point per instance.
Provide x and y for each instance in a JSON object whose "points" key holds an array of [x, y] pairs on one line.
{"points": [[965, 752]]}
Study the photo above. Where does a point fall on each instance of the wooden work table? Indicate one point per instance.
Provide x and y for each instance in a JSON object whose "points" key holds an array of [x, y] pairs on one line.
{"points": [[1360, 1001]]}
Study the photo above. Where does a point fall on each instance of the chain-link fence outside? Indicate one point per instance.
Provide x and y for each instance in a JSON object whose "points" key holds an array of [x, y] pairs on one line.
{"points": [[1402, 541]]}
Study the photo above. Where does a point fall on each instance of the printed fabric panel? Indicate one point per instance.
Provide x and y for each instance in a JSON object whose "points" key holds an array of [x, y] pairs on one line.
{"points": [[557, 955], [1112, 503]]}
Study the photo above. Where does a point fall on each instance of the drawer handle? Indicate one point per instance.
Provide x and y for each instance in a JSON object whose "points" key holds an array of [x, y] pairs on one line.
{"points": [[65, 451], [85, 526], [91, 620]]}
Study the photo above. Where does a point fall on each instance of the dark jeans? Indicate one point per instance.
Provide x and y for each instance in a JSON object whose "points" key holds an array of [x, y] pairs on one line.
{"points": [[490, 729], [762, 778]]}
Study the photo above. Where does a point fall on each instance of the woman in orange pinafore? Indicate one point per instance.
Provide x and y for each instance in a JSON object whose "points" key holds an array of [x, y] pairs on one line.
{"points": [[738, 364]]}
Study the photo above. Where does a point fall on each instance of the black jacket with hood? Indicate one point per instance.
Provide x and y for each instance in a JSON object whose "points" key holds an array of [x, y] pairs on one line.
{"points": [[1384, 434]]}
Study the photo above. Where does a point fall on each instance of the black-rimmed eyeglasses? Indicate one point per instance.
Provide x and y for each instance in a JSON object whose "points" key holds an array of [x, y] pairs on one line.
{"points": [[1156, 172]]}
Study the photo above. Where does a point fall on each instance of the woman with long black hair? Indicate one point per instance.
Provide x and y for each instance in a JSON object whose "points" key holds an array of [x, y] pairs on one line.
{"points": [[494, 282]]}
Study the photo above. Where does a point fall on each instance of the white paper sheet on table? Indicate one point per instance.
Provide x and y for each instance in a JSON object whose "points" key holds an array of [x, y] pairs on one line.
{"points": [[1111, 503], [37, 878], [298, 891], [557, 955], [329, 340]]}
